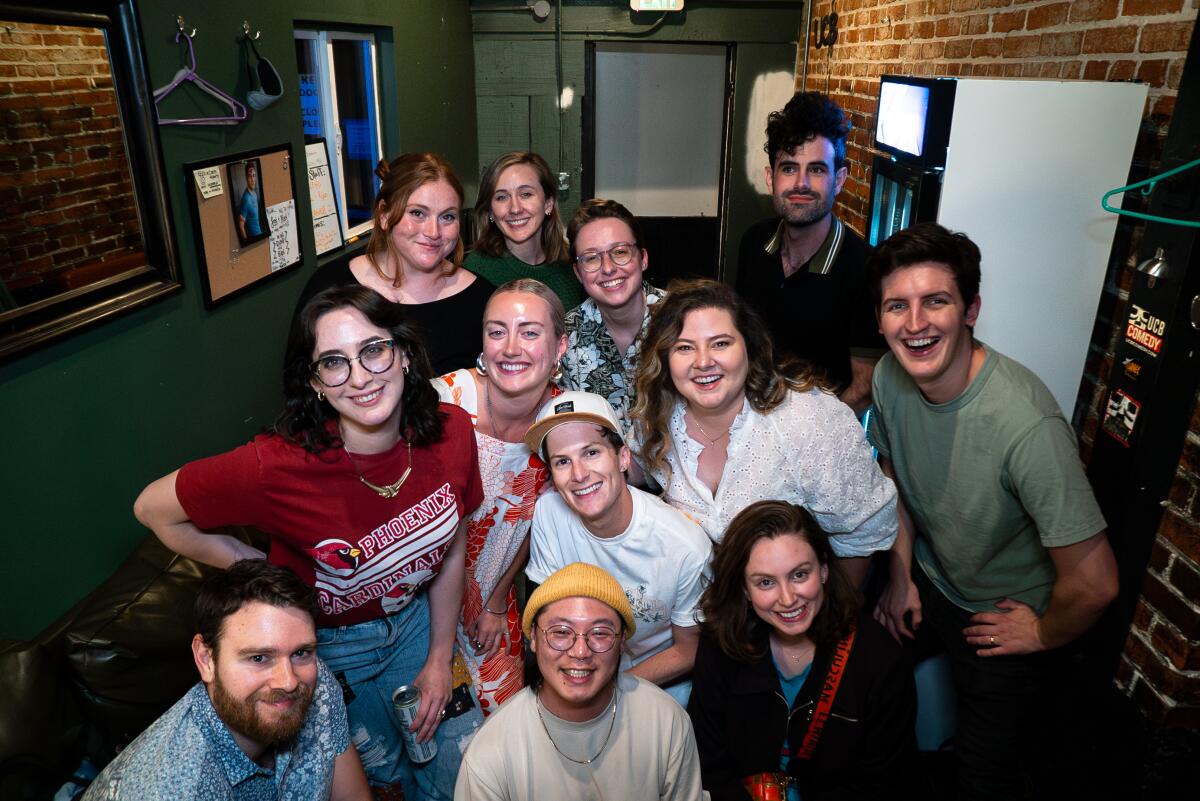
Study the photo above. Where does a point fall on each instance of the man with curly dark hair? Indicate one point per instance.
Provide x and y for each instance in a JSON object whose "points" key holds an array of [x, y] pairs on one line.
{"points": [[804, 270]]}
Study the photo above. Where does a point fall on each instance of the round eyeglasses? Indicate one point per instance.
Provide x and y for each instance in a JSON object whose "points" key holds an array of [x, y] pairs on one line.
{"points": [[619, 254], [599, 639], [375, 357]]}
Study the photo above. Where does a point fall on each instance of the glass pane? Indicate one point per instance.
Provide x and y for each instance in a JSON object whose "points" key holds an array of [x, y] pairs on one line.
{"points": [[70, 216], [310, 90], [356, 112]]}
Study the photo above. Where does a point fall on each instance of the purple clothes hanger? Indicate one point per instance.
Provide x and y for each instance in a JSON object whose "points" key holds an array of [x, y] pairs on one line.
{"points": [[188, 74]]}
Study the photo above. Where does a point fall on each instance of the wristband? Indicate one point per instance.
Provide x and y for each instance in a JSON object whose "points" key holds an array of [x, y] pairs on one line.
{"points": [[501, 612]]}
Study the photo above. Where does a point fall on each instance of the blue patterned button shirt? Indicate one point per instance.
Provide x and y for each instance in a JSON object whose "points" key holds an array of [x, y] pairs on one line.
{"points": [[188, 753], [593, 363]]}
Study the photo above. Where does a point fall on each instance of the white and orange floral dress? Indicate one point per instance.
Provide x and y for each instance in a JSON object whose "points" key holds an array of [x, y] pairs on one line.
{"points": [[513, 478]]}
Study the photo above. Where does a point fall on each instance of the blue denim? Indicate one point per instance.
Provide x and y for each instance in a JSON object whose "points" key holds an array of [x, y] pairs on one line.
{"points": [[374, 658]]}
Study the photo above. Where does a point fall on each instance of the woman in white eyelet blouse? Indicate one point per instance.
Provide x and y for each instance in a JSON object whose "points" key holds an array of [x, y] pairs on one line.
{"points": [[719, 426]]}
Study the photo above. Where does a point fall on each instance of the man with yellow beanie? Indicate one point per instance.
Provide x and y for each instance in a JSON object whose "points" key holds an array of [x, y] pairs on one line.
{"points": [[585, 731]]}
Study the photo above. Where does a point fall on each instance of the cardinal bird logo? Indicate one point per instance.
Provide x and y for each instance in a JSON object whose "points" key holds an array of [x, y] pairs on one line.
{"points": [[334, 556]]}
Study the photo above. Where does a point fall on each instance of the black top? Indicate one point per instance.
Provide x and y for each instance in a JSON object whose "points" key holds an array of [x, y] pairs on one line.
{"points": [[451, 328], [820, 312], [867, 749]]}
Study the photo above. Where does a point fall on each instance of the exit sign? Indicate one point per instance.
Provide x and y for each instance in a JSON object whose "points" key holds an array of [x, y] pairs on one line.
{"points": [[656, 5]]}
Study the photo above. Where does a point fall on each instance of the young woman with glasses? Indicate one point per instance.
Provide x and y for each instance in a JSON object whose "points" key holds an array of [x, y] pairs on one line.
{"points": [[523, 341], [413, 258], [604, 335], [518, 228], [364, 485]]}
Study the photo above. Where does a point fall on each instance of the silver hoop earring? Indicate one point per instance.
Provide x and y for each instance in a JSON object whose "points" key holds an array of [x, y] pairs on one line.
{"points": [[405, 369], [480, 365]]}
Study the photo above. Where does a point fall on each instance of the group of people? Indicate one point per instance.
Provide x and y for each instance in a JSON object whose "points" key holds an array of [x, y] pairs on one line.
{"points": [[680, 477]]}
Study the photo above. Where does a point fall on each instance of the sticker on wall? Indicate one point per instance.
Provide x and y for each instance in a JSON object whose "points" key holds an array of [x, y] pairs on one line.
{"points": [[1132, 368], [1145, 331], [1120, 416]]}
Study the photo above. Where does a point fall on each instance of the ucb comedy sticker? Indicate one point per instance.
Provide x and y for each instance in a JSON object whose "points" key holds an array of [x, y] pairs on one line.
{"points": [[1144, 331], [1120, 415]]}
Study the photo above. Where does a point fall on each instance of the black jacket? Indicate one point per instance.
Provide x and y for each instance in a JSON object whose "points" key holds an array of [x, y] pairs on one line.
{"points": [[868, 747]]}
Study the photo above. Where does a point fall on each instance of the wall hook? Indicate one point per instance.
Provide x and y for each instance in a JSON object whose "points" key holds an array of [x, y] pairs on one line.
{"points": [[183, 28], [246, 31]]}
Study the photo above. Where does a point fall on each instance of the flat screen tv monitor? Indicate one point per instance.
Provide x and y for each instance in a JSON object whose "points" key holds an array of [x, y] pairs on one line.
{"points": [[903, 108], [912, 119]]}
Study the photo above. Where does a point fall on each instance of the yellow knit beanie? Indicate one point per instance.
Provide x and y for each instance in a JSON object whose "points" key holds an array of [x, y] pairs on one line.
{"points": [[579, 580]]}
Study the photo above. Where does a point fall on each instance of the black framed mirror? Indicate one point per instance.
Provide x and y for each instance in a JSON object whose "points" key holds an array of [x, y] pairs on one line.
{"points": [[85, 229]]}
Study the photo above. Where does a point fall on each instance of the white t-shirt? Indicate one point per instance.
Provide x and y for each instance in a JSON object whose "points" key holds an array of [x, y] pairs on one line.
{"points": [[660, 561], [650, 755]]}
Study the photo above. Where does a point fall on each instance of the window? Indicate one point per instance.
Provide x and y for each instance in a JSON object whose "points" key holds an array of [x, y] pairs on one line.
{"points": [[339, 100]]}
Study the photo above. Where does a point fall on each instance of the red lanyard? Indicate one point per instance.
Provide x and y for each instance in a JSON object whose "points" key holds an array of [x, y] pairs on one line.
{"points": [[833, 678]]}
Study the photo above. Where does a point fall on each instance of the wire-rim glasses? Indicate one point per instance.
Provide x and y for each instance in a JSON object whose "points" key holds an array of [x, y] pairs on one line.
{"points": [[375, 357], [619, 254], [599, 639]]}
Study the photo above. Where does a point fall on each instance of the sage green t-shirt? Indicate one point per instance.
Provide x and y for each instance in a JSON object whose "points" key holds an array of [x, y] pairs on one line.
{"points": [[501, 269], [992, 480]]}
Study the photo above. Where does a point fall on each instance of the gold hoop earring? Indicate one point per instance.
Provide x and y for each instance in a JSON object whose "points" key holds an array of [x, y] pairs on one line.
{"points": [[320, 395]]}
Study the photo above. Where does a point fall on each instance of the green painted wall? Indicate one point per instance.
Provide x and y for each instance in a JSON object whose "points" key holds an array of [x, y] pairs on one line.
{"points": [[516, 82], [95, 417]]}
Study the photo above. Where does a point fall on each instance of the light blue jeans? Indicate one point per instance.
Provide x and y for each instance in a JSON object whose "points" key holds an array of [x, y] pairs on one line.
{"points": [[373, 659]]}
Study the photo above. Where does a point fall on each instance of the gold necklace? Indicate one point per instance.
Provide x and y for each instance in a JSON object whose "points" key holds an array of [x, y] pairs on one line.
{"points": [[388, 491], [537, 699], [492, 421], [711, 440]]}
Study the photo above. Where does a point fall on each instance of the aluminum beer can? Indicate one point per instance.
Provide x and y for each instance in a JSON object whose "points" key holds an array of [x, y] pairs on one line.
{"points": [[406, 700]]}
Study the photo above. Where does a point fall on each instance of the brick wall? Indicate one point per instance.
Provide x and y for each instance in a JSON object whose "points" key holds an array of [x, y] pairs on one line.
{"points": [[66, 203], [1117, 40]]}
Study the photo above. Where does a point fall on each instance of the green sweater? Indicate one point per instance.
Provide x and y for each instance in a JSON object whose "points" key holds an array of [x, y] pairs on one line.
{"points": [[502, 269]]}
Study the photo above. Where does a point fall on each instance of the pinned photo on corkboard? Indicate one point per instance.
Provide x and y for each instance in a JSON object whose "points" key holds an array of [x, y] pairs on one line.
{"points": [[249, 213], [245, 212]]}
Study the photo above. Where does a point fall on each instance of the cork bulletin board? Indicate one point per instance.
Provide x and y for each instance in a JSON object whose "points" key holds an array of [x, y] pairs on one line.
{"points": [[245, 210]]}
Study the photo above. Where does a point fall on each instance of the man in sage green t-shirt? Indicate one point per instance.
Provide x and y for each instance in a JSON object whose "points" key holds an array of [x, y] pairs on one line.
{"points": [[1012, 558]]}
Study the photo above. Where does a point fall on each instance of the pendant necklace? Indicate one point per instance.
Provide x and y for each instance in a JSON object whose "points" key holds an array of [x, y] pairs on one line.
{"points": [[711, 440], [612, 721], [388, 491], [492, 421]]}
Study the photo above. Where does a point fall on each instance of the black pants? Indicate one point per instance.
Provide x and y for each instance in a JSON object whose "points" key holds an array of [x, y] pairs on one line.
{"points": [[1004, 733]]}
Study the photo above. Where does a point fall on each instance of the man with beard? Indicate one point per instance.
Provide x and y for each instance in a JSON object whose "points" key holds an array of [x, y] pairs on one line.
{"points": [[805, 271], [585, 731], [267, 719]]}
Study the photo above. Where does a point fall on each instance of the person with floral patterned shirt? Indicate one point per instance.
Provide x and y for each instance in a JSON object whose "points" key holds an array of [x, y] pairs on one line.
{"points": [[604, 334]]}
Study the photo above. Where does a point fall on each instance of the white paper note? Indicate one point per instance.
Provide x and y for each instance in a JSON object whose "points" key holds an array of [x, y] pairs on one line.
{"points": [[285, 241], [208, 181]]}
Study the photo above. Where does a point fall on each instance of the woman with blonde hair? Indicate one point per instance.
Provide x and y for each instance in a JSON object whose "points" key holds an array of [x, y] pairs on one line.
{"points": [[718, 425], [519, 231], [524, 336], [414, 256]]}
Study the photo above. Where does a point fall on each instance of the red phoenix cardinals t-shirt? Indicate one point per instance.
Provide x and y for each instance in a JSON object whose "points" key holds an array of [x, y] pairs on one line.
{"points": [[366, 555]]}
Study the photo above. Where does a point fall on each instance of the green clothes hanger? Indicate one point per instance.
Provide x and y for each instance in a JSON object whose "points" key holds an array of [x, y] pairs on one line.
{"points": [[1148, 185]]}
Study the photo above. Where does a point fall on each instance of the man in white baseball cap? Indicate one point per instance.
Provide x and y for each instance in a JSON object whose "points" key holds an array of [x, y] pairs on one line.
{"points": [[657, 555]]}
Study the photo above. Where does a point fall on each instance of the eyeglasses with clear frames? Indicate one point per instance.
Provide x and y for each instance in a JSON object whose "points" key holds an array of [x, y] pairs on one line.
{"points": [[619, 254], [599, 639], [375, 357]]}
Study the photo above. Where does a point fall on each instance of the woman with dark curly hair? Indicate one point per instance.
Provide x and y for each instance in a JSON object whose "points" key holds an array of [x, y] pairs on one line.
{"points": [[718, 425], [364, 485], [793, 687]]}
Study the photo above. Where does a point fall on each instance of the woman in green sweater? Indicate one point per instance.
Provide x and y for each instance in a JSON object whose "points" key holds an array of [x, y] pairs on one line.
{"points": [[520, 232]]}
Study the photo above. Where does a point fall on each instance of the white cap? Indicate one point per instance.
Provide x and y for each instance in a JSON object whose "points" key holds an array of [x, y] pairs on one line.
{"points": [[571, 407]]}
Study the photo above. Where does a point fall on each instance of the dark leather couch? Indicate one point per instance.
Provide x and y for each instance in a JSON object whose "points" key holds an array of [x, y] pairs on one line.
{"points": [[103, 672]]}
